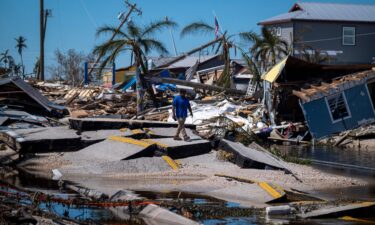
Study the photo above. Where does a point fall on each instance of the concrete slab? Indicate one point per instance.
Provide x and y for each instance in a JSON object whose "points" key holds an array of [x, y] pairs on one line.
{"points": [[131, 166], [113, 149], [249, 193], [160, 132], [43, 139], [153, 214], [181, 149], [86, 124], [251, 158], [92, 137], [357, 210]]}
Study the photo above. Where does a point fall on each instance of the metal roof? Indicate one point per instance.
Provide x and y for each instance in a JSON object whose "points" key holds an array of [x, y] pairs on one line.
{"points": [[33, 93], [326, 12]]}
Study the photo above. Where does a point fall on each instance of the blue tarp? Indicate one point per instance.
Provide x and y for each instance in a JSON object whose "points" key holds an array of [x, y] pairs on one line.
{"points": [[129, 84]]}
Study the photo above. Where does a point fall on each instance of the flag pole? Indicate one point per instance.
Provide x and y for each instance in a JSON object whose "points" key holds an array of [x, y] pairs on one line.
{"points": [[218, 21]]}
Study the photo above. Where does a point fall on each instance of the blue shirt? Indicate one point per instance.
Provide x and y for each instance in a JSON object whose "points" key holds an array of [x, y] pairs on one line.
{"points": [[181, 106]]}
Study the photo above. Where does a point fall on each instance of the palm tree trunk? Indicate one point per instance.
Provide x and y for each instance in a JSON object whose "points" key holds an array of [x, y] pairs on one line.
{"points": [[23, 67]]}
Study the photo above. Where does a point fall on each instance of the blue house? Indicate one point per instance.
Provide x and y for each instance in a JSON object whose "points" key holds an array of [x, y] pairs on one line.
{"points": [[345, 103]]}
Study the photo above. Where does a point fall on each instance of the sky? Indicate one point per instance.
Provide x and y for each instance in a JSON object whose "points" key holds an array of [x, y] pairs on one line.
{"points": [[74, 22]]}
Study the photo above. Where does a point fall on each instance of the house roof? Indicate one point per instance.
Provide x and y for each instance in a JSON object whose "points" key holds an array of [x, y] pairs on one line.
{"points": [[326, 12], [32, 93], [336, 86]]}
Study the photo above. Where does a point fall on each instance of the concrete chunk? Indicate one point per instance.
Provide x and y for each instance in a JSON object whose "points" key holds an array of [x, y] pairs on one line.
{"points": [[160, 132], [153, 214], [91, 137], [357, 209], [112, 150], [86, 124], [43, 139], [251, 158], [181, 149]]}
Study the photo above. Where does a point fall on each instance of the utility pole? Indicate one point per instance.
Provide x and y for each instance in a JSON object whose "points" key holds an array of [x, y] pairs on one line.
{"points": [[172, 37], [41, 58], [132, 8]]}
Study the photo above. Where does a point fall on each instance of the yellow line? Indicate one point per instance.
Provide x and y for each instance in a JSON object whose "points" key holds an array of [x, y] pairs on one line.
{"points": [[137, 131], [129, 141], [276, 192], [349, 218], [123, 129], [170, 162], [270, 190], [155, 142]]}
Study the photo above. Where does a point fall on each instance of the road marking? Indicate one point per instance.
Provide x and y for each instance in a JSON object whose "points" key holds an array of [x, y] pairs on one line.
{"points": [[270, 190], [130, 141], [276, 192], [124, 129], [161, 145], [170, 162], [349, 218], [137, 131]]}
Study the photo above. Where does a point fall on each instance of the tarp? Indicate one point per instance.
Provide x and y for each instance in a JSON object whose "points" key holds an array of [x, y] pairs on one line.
{"points": [[275, 71], [130, 83]]}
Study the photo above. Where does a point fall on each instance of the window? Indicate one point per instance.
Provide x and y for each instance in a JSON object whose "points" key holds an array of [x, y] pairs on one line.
{"points": [[278, 31], [348, 35], [338, 107]]}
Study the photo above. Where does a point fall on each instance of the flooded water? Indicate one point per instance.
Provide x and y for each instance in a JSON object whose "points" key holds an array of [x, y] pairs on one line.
{"points": [[203, 209], [345, 162]]}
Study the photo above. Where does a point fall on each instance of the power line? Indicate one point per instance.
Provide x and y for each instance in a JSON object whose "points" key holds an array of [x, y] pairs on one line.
{"points": [[92, 20], [332, 39]]}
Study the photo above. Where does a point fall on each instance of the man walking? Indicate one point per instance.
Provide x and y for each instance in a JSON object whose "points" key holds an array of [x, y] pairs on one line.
{"points": [[180, 107]]}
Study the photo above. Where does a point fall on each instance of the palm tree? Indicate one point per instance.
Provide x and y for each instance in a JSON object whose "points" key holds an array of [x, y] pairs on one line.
{"points": [[227, 42], [6, 59], [224, 45], [20, 46], [268, 47], [139, 41]]}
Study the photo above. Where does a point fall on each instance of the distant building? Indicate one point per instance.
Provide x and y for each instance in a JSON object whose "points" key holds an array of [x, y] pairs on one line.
{"points": [[343, 33]]}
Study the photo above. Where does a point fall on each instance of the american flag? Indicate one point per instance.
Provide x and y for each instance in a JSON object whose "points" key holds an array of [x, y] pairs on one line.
{"points": [[216, 28]]}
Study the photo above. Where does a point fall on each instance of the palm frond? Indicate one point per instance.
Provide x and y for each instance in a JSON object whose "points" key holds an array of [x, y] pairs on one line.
{"points": [[199, 27], [134, 30], [110, 30], [249, 36], [152, 44], [158, 26]]}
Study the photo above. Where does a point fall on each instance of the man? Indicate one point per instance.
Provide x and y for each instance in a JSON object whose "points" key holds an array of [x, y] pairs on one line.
{"points": [[180, 107]]}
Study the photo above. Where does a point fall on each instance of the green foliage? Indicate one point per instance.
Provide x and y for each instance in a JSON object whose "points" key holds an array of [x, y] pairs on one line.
{"points": [[288, 158]]}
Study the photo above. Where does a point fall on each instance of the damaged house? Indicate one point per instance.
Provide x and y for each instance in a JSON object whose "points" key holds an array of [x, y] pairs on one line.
{"points": [[343, 104], [288, 87]]}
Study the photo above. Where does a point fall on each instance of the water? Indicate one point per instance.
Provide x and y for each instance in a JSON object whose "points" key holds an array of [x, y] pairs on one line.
{"points": [[344, 162], [208, 210]]}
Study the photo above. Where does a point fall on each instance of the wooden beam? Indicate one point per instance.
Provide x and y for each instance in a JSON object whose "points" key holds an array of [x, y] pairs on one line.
{"points": [[196, 85], [301, 95]]}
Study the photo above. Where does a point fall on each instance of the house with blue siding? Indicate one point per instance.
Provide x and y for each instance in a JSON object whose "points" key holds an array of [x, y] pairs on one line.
{"points": [[345, 103]]}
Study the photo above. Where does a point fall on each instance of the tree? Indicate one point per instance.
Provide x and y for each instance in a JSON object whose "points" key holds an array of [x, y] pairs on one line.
{"points": [[137, 40], [7, 60], [203, 28], [223, 46], [267, 47], [21, 45], [69, 66]]}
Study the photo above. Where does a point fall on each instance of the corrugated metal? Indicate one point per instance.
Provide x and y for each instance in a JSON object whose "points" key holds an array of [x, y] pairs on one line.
{"points": [[328, 12], [33, 93]]}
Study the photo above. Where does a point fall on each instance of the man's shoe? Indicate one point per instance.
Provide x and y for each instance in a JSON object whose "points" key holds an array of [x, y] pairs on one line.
{"points": [[187, 139], [176, 138]]}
